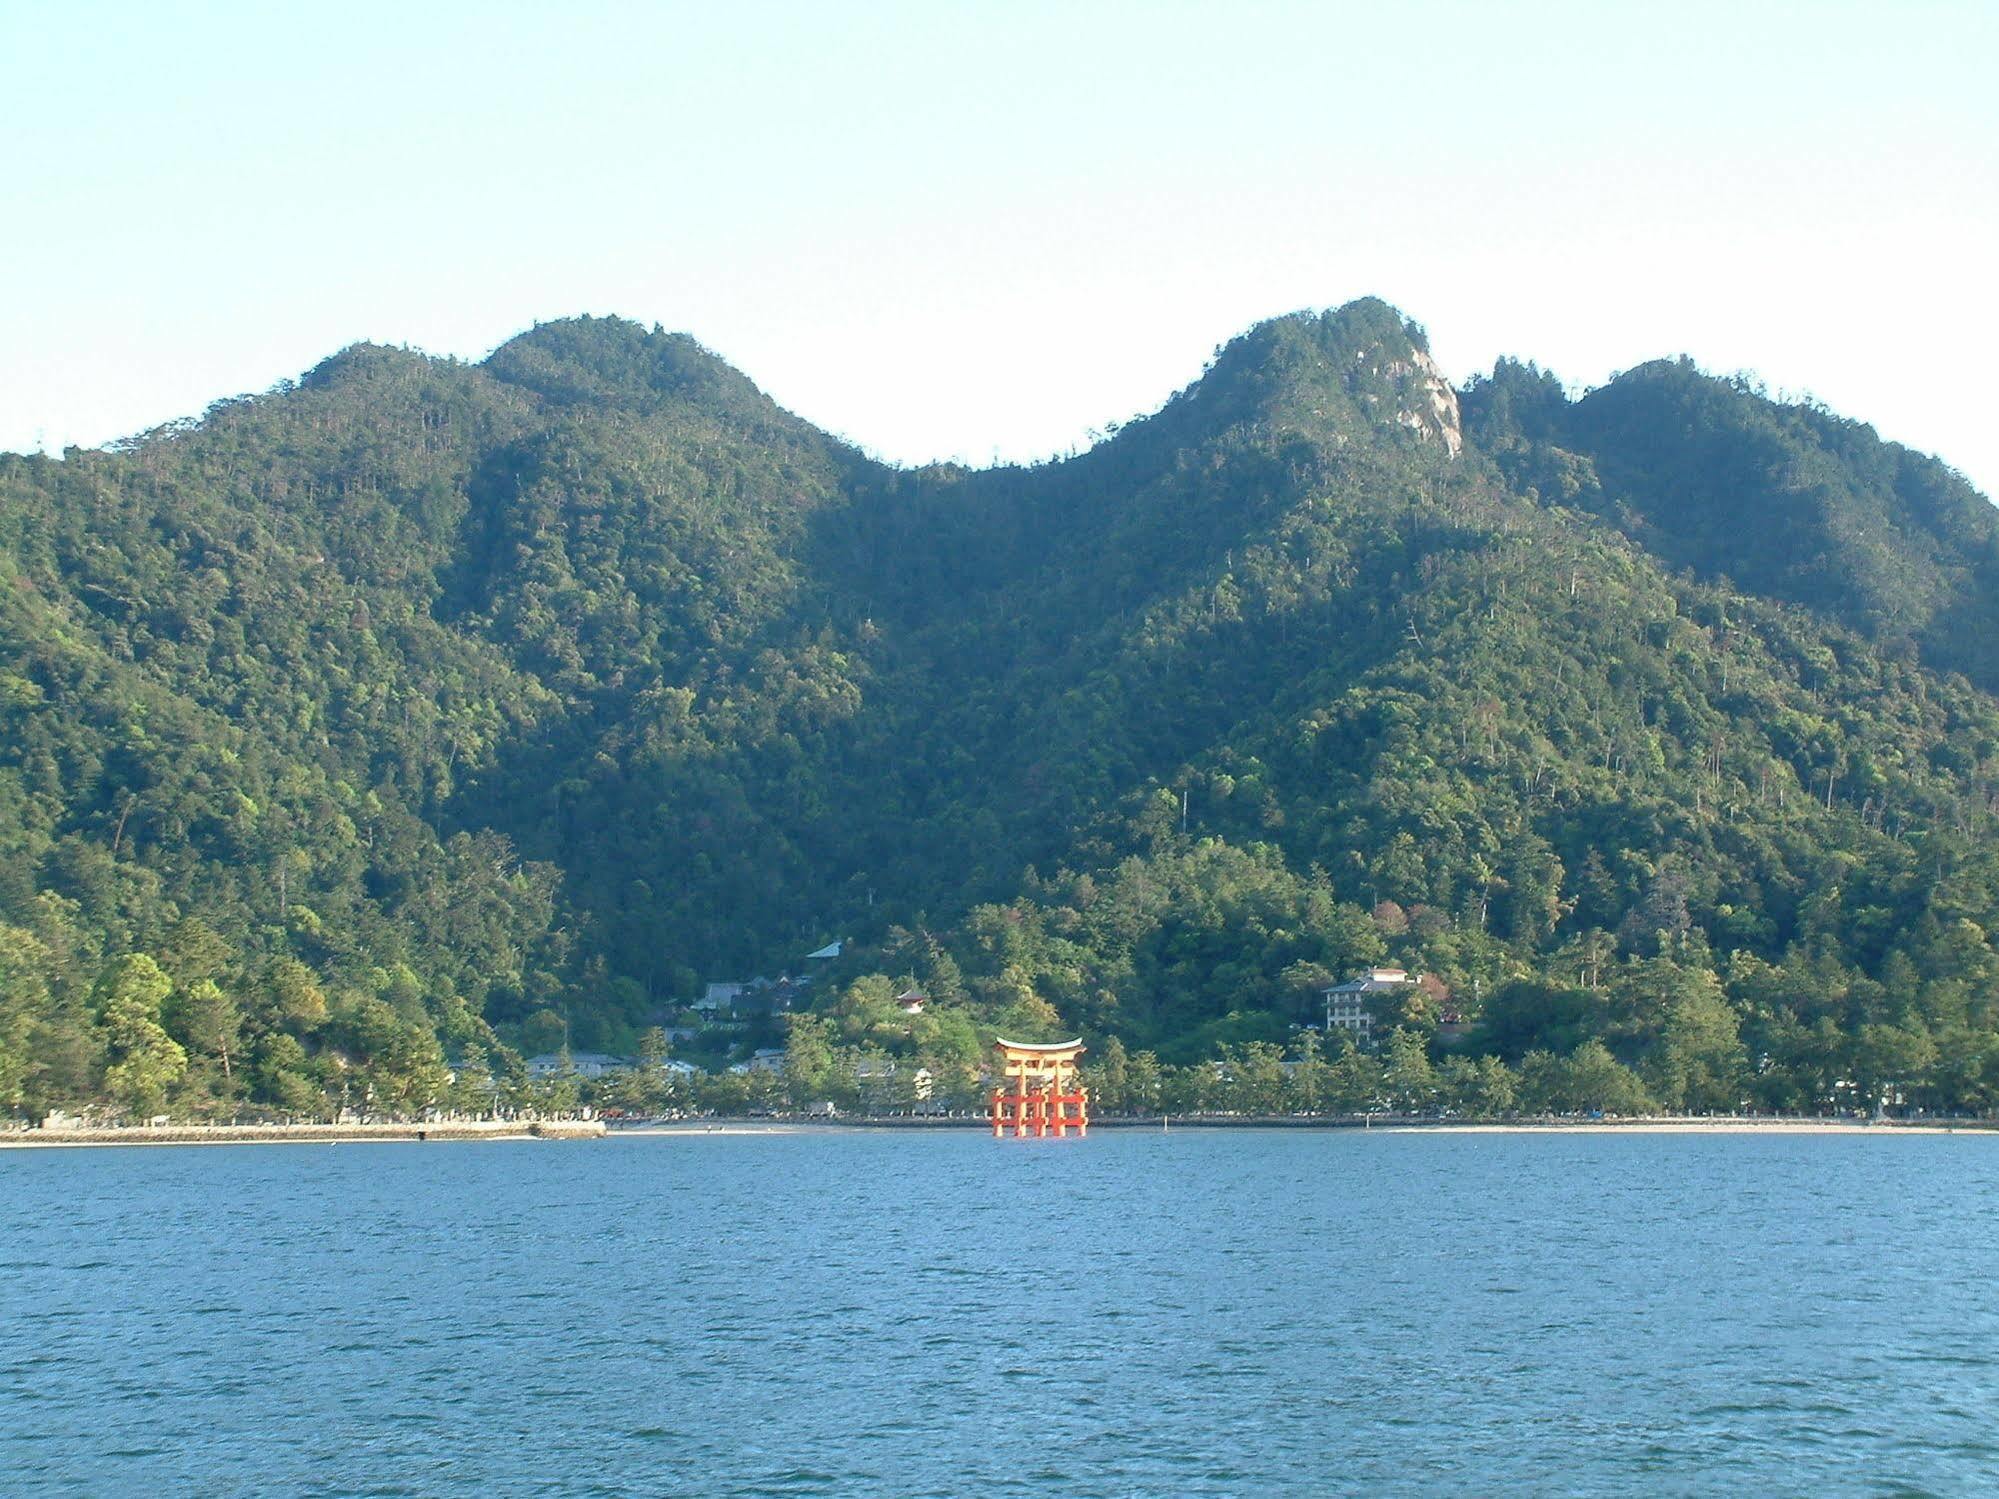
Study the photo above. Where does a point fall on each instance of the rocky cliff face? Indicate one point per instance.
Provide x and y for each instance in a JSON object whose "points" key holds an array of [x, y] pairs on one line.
{"points": [[1433, 408]]}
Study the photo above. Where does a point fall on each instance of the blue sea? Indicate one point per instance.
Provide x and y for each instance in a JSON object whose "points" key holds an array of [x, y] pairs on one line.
{"points": [[1138, 1313]]}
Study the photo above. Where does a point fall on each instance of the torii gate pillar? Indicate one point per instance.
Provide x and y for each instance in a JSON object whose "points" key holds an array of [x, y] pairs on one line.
{"points": [[1040, 1094]]}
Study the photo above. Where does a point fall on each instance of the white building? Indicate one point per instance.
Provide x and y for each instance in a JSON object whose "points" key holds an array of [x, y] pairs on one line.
{"points": [[1348, 1005]]}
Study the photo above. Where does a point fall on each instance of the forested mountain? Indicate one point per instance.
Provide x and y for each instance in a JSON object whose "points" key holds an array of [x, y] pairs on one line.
{"points": [[422, 713]]}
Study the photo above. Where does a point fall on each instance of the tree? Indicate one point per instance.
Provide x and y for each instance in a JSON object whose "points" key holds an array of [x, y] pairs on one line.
{"points": [[1110, 1079], [1672, 1013], [24, 998], [1494, 1093], [647, 1084], [950, 1046], [1698, 1064], [866, 1012], [144, 1060], [281, 1075], [1543, 1083], [1407, 1076], [1531, 1014], [408, 1074], [1595, 1081], [1532, 905], [544, 1032], [813, 1070], [1353, 1082], [1661, 915], [195, 951], [295, 1000], [472, 1088], [1145, 1088], [1191, 1090], [1890, 1061], [207, 1023], [1027, 1016], [1258, 1075], [1304, 982], [561, 1092], [1306, 1085]]}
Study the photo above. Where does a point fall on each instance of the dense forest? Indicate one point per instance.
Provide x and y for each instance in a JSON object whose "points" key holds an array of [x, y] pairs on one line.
{"points": [[363, 737]]}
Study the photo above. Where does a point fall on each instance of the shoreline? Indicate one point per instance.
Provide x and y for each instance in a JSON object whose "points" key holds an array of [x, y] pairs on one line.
{"points": [[1668, 1125], [456, 1130], [463, 1131]]}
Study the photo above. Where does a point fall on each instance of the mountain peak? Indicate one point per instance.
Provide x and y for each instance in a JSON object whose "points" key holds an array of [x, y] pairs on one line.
{"points": [[614, 361], [360, 363], [1356, 366]]}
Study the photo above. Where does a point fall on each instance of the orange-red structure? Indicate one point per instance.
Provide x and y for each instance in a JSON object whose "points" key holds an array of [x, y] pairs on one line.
{"points": [[1039, 1093]]}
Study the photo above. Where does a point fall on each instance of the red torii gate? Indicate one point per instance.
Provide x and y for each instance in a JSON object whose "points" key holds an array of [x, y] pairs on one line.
{"points": [[1041, 1094]]}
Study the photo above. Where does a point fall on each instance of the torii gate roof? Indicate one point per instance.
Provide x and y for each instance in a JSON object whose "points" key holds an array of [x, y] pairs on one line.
{"points": [[1040, 1048]]}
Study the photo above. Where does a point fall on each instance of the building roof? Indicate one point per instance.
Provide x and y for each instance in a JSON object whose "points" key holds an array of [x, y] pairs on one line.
{"points": [[1374, 980]]}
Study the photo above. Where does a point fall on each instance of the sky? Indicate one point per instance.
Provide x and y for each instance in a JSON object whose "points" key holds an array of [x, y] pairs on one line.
{"points": [[982, 231]]}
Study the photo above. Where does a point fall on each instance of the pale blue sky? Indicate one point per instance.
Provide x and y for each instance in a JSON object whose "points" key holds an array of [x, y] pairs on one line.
{"points": [[977, 230]]}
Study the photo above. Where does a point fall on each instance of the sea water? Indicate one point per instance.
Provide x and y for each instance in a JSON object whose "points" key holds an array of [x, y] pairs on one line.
{"points": [[1138, 1313]]}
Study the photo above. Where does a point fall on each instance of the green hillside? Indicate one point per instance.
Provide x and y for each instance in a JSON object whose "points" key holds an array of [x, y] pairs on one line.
{"points": [[422, 715]]}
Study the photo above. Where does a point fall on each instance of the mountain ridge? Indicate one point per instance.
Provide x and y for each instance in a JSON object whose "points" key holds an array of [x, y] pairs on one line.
{"points": [[499, 702]]}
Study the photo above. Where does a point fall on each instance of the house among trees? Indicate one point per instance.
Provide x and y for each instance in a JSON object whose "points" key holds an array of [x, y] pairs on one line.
{"points": [[717, 998], [757, 996], [582, 1063], [1348, 1005]]}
